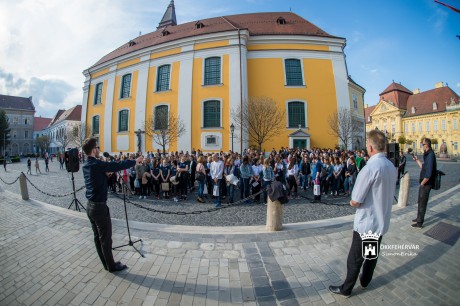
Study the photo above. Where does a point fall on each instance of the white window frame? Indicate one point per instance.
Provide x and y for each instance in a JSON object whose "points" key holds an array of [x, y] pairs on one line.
{"points": [[301, 67], [204, 70], [427, 125], [130, 86], [355, 101], [92, 124], [455, 124], [170, 77], [435, 125], [413, 127], [95, 92], [157, 105], [420, 126], [202, 113], [406, 128], [118, 120], [287, 113], [443, 124]]}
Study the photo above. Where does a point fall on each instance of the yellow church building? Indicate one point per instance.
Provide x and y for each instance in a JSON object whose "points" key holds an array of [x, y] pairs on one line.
{"points": [[203, 70], [410, 116]]}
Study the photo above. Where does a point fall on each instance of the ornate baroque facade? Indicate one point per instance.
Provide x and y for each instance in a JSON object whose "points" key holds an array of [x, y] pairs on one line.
{"points": [[415, 115]]}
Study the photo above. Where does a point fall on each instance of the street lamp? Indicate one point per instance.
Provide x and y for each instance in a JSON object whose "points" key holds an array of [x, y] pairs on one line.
{"points": [[232, 130]]}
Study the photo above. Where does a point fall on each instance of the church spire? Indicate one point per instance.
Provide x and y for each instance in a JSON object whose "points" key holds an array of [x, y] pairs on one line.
{"points": [[169, 18]]}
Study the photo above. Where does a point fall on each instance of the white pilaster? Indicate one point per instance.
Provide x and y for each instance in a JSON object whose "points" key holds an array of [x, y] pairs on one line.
{"points": [[341, 84], [108, 112], [185, 101], [141, 103]]}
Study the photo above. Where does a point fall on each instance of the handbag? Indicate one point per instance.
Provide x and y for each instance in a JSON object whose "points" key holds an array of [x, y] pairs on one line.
{"points": [[437, 180], [199, 176], [216, 190], [137, 184], [165, 186], [317, 188]]}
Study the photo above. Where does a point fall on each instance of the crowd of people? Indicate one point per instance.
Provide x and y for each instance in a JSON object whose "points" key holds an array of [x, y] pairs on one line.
{"points": [[233, 176]]}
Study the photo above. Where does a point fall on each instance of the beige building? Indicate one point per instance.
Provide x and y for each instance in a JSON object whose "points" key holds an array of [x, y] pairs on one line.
{"points": [[409, 116]]}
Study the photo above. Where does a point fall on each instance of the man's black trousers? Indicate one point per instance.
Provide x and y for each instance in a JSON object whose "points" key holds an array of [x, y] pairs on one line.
{"points": [[423, 195], [354, 263], [99, 216]]}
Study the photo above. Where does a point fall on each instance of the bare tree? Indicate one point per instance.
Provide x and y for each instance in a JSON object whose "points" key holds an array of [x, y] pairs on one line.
{"points": [[42, 143], [261, 119], [164, 128], [80, 133], [65, 137], [343, 126]]}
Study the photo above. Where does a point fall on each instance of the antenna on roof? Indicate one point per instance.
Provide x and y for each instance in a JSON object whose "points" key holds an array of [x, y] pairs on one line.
{"points": [[140, 33], [290, 10]]}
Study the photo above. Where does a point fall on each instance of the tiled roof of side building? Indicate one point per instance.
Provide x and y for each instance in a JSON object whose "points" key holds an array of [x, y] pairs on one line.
{"points": [[40, 123], [13, 102], [255, 23], [423, 102], [367, 113], [395, 86], [73, 114]]}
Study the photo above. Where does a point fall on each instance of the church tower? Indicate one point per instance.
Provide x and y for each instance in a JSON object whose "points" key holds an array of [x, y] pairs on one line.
{"points": [[169, 18]]}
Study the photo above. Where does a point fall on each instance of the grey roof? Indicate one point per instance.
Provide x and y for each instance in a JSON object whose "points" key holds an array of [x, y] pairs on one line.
{"points": [[19, 103], [299, 133], [169, 18]]}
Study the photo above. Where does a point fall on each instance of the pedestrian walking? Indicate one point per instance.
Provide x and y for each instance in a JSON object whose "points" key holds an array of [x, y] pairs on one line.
{"points": [[373, 198], [29, 166], [37, 166], [47, 161]]}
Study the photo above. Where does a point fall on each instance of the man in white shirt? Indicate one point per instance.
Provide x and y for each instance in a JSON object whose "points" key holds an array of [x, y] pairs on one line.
{"points": [[373, 196], [217, 169]]}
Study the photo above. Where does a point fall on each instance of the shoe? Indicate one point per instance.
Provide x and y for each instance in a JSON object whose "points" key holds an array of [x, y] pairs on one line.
{"points": [[140, 197], [336, 290], [118, 267], [414, 221], [145, 197], [200, 200], [417, 225], [218, 205]]}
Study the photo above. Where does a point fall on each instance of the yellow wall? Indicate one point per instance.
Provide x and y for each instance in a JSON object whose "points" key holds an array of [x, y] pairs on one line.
{"points": [[164, 97], [201, 93], [128, 63], [93, 110], [287, 47], [99, 73], [319, 94], [119, 104], [209, 45], [165, 53]]}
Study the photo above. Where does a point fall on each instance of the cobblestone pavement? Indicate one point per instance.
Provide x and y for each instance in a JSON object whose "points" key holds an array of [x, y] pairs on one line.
{"points": [[58, 182], [47, 257]]}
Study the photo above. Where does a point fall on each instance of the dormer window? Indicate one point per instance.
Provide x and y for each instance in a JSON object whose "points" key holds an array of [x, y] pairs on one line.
{"points": [[281, 20], [368, 118], [413, 110], [165, 32], [131, 43], [199, 25], [435, 106]]}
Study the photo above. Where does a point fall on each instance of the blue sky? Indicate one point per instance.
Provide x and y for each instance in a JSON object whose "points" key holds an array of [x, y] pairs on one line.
{"points": [[46, 44]]}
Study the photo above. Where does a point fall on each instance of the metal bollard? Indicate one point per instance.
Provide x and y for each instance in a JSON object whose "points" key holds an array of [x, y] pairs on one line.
{"points": [[403, 196], [274, 216], [23, 186]]}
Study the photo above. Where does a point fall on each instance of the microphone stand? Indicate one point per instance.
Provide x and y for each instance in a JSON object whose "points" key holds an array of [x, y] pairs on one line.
{"points": [[130, 242]]}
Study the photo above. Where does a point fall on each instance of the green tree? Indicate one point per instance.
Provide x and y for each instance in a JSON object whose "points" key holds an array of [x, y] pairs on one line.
{"points": [[43, 143], [4, 131]]}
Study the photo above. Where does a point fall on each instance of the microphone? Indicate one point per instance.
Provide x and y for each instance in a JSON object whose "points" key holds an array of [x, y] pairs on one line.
{"points": [[107, 155]]}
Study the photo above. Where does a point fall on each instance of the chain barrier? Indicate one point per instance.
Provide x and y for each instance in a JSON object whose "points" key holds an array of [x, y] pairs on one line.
{"points": [[11, 182], [55, 195], [321, 202], [241, 202]]}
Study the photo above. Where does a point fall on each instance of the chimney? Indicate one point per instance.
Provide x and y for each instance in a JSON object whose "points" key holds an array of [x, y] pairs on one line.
{"points": [[367, 105], [416, 91], [439, 85]]}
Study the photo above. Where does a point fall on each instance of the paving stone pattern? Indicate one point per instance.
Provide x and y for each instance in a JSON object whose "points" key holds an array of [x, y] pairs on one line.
{"points": [[59, 182], [47, 257]]}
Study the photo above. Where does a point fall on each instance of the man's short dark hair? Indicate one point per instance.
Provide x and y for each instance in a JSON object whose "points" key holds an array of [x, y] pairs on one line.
{"points": [[89, 144], [428, 142]]}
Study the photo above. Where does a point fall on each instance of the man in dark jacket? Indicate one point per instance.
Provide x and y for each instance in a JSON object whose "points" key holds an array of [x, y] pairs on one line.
{"points": [[94, 172], [426, 180], [402, 165]]}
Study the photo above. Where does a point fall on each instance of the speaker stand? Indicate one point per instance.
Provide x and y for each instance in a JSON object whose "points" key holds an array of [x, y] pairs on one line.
{"points": [[75, 200]]}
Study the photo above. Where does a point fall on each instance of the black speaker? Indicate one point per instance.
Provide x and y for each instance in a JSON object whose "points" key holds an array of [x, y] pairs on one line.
{"points": [[72, 161], [393, 153]]}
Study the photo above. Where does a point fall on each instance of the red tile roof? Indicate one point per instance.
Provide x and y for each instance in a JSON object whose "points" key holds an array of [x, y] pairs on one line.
{"points": [[423, 102], [395, 86], [40, 123], [255, 23], [73, 114], [396, 94], [367, 113]]}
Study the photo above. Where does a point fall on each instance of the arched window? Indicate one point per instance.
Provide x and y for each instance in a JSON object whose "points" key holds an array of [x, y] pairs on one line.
{"points": [[163, 77], [212, 71], [123, 119], [98, 94], [95, 124], [293, 69], [211, 114], [296, 114], [161, 117], [125, 86]]}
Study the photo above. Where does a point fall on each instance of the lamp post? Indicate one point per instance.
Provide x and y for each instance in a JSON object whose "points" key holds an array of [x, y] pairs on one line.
{"points": [[232, 130]]}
